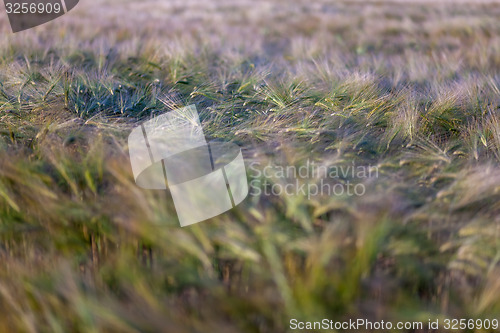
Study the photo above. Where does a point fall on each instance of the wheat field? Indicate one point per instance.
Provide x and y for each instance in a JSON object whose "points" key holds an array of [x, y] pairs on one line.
{"points": [[410, 89]]}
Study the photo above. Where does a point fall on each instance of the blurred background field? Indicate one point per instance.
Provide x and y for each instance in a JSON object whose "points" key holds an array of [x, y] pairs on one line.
{"points": [[410, 88]]}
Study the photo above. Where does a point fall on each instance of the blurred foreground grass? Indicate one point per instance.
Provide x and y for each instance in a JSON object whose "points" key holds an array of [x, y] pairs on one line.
{"points": [[412, 90]]}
